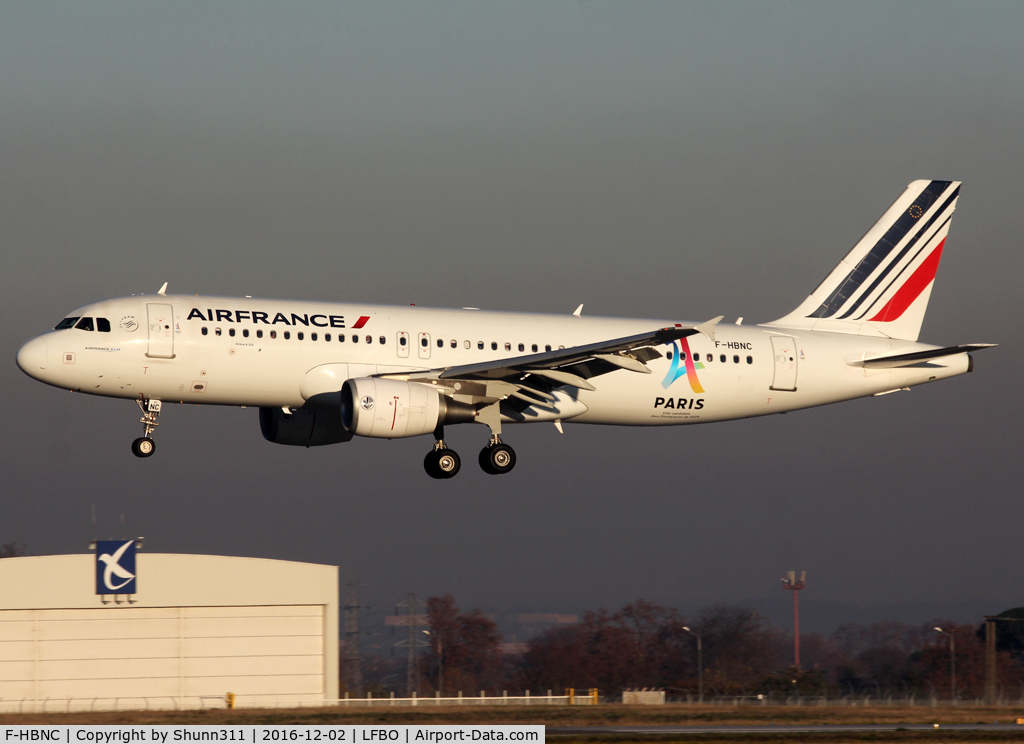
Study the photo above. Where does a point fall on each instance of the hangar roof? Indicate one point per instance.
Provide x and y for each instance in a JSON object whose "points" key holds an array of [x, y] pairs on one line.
{"points": [[167, 580]]}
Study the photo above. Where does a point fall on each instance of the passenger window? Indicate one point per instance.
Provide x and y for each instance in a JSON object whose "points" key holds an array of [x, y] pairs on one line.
{"points": [[710, 358], [327, 337], [561, 347], [494, 345], [312, 336], [231, 332], [423, 342], [750, 360], [401, 341], [102, 325], [355, 339], [508, 346], [273, 334], [669, 356], [259, 334], [522, 348], [547, 347], [736, 359], [369, 339], [216, 331], [382, 340], [480, 345], [245, 333], [205, 331], [66, 323], [300, 335], [534, 347], [287, 335], [721, 357], [440, 343], [85, 324], [454, 343], [341, 338]]}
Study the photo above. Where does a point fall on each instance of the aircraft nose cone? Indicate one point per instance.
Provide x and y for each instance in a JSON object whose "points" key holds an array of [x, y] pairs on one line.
{"points": [[32, 358]]}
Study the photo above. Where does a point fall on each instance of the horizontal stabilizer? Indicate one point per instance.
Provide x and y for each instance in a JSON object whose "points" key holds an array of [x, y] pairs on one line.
{"points": [[916, 357]]}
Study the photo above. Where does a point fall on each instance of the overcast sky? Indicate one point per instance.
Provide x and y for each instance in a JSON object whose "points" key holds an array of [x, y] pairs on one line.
{"points": [[662, 160]]}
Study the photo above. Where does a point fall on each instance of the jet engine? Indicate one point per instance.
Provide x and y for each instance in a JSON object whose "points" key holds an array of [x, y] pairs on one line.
{"points": [[303, 427], [373, 407]]}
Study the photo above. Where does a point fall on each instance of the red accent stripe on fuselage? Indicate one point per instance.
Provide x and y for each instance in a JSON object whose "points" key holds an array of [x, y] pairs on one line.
{"points": [[361, 322]]}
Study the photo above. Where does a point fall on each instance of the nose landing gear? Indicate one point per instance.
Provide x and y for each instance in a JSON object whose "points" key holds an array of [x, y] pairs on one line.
{"points": [[144, 446]]}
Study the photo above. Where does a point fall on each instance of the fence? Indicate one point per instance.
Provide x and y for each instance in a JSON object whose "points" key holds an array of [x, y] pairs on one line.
{"points": [[845, 700], [232, 700]]}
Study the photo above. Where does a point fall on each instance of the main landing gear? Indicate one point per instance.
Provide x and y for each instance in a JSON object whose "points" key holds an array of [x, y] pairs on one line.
{"points": [[497, 458], [144, 446], [442, 462]]}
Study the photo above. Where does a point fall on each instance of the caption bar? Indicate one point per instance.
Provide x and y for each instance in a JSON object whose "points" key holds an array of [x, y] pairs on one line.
{"points": [[260, 734]]}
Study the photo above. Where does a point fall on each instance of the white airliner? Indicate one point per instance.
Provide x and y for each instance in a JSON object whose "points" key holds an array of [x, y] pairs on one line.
{"points": [[323, 372]]}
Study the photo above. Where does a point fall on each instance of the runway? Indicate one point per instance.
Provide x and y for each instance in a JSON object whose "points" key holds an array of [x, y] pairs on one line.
{"points": [[790, 729]]}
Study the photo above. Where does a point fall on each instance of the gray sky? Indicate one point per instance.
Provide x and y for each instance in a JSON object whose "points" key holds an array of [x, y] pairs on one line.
{"points": [[647, 159]]}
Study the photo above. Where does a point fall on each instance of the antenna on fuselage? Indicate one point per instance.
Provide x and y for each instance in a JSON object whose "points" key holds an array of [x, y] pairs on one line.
{"points": [[162, 290]]}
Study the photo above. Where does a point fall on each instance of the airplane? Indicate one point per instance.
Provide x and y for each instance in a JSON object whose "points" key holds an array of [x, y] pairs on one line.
{"points": [[323, 372]]}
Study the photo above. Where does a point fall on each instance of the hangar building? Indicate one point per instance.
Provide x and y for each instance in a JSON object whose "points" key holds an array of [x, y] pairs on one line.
{"points": [[197, 628]]}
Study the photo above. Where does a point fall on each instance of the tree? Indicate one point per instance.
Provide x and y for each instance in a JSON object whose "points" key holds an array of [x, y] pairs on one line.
{"points": [[934, 662], [12, 550], [465, 644]]}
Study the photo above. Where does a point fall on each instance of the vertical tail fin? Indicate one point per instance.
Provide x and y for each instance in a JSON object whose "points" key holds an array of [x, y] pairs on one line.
{"points": [[882, 286]]}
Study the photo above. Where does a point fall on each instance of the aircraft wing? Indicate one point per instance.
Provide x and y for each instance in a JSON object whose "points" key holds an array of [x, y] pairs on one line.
{"points": [[575, 365]]}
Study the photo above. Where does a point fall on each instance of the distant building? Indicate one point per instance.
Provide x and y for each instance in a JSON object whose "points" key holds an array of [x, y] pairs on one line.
{"points": [[196, 628]]}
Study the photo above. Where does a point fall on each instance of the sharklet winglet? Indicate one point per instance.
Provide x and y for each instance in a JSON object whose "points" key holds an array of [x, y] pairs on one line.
{"points": [[708, 327]]}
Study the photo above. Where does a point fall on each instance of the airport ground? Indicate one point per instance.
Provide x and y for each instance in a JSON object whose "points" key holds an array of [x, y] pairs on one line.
{"points": [[607, 716]]}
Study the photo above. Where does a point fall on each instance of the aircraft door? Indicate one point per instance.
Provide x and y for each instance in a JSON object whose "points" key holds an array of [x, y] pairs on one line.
{"points": [[784, 351], [423, 345], [402, 344], [160, 319]]}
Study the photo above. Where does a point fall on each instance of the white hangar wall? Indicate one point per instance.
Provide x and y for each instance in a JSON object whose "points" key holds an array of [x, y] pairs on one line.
{"points": [[198, 627]]}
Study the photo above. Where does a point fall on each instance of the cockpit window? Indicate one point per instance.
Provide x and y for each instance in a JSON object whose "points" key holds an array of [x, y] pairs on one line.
{"points": [[85, 324], [102, 325], [66, 323]]}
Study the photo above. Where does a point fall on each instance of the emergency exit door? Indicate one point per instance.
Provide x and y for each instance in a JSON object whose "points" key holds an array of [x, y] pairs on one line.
{"points": [[784, 350], [161, 331]]}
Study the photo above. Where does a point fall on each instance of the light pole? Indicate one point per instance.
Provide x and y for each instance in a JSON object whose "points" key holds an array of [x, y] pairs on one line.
{"points": [[700, 663], [440, 662], [952, 663]]}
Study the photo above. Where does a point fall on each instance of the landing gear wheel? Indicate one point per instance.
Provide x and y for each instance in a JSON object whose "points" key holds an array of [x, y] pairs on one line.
{"points": [[442, 463], [497, 459], [143, 447]]}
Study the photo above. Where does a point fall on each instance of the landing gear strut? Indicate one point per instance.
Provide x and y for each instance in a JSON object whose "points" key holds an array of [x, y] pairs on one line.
{"points": [[497, 458], [144, 446], [442, 462]]}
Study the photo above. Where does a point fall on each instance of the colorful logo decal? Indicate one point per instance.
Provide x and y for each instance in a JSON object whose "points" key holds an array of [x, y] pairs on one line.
{"points": [[681, 348]]}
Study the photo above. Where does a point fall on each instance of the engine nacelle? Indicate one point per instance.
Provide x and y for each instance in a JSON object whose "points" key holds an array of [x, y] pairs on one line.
{"points": [[303, 427], [372, 407]]}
